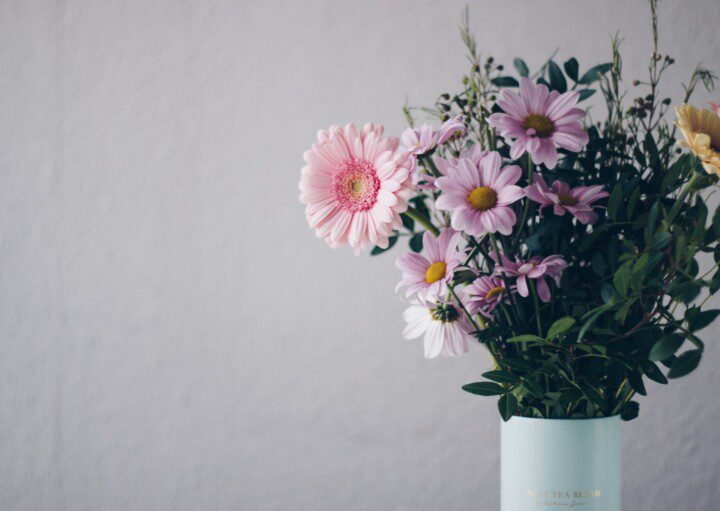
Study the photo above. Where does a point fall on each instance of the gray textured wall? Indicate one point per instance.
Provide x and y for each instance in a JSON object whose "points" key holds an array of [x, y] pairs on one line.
{"points": [[173, 336]]}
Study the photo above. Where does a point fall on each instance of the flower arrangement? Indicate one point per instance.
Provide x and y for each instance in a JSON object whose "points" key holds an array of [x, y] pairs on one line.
{"points": [[571, 250]]}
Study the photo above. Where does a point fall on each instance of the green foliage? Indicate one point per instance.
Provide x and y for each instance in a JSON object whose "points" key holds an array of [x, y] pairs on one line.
{"points": [[633, 293]]}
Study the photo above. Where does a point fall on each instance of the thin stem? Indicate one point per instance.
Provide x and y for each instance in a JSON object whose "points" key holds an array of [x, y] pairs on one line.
{"points": [[680, 200], [526, 211], [422, 220], [537, 307]]}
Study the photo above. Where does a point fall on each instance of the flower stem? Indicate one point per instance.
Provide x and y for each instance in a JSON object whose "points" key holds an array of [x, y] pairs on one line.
{"points": [[681, 198], [526, 211], [538, 319], [422, 220]]}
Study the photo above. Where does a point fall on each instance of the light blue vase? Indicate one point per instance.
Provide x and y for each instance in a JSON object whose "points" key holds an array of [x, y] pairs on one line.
{"points": [[556, 465]]}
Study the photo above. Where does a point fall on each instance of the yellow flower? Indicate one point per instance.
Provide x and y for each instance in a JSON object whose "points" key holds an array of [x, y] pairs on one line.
{"points": [[701, 129]]}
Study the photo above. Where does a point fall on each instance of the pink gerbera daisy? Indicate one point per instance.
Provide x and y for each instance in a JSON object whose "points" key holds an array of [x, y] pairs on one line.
{"points": [[450, 128], [535, 268], [576, 201], [479, 196], [446, 331], [419, 140], [484, 294], [474, 153], [537, 121], [429, 276], [355, 186]]}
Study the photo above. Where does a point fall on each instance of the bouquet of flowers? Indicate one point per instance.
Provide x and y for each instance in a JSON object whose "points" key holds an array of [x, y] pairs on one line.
{"points": [[571, 250]]}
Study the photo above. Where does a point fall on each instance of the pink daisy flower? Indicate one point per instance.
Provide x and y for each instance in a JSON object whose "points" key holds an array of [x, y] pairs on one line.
{"points": [[429, 277], [479, 196], [419, 140], [485, 294], [473, 153], [355, 186], [535, 268], [576, 201], [536, 121], [444, 329], [450, 128]]}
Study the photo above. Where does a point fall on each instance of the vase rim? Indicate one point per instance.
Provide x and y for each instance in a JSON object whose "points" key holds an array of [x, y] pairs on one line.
{"points": [[544, 420]]}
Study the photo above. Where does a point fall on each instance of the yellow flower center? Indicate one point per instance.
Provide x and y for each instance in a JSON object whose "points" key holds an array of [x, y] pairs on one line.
{"points": [[494, 292], [357, 187], [435, 272], [543, 126], [482, 198], [567, 200]]}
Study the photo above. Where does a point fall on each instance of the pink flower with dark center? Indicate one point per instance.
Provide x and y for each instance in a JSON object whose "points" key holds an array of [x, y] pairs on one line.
{"points": [[473, 153], [429, 276], [537, 121], [450, 128], [535, 268], [485, 294], [355, 185], [576, 201], [445, 330], [419, 140], [479, 196]]}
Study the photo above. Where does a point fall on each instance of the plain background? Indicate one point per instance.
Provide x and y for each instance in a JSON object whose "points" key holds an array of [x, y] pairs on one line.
{"points": [[173, 336]]}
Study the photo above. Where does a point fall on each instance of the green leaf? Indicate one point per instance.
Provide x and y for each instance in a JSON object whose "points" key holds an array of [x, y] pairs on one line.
{"points": [[614, 202], [666, 347], [685, 364], [416, 242], [521, 67], [557, 79], [653, 372], [501, 376], [621, 280], [377, 250], [484, 388], [518, 364], [630, 411], [505, 81], [593, 395], [407, 222], [571, 68], [526, 338], [570, 396], [716, 223], [686, 291], [594, 74], [635, 380], [507, 405], [585, 93], [561, 326], [533, 388], [659, 241], [702, 319]]}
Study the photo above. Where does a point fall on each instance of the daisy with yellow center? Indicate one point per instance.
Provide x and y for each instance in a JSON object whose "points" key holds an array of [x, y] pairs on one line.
{"points": [[427, 276], [480, 194], [701, 130], [484, 295]]}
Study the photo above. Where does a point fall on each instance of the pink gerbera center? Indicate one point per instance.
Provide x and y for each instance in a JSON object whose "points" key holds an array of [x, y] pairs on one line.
{"points": [[356, 185], [483, 198], [496, 291], [538, 125], [435, 272]]}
